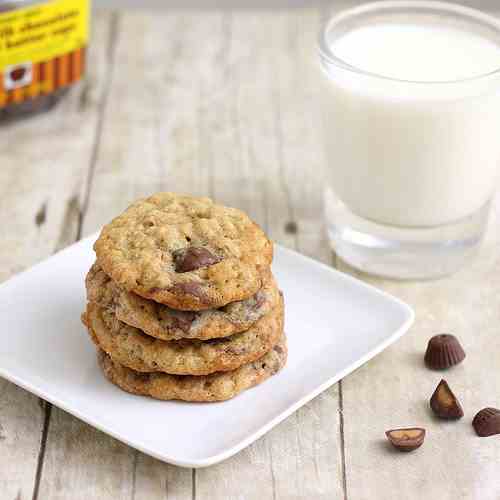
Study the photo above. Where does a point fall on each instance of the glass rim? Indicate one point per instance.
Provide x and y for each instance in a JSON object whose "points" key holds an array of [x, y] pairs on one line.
{"points": [[327, 55]]}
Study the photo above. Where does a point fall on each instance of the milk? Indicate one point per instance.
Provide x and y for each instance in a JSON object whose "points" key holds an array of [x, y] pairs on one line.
{"points": [[418, 52], [408, 152]]}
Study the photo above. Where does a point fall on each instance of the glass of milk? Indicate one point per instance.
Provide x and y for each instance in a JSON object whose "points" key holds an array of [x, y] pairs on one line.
{"points": [[411, 103]]}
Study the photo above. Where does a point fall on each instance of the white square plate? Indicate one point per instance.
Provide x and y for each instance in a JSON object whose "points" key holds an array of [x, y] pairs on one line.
{"points": [[334, 324]]}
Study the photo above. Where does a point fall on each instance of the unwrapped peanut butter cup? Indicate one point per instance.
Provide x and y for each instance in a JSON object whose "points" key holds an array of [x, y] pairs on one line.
{"points": [[443, 351], [487, 422], [444, 403], [408, 439]]}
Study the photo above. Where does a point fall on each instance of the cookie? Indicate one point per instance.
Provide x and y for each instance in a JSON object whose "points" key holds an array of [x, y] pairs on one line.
{"points": [[185, 252], [164, 323], [132, 348], [215, 387]]}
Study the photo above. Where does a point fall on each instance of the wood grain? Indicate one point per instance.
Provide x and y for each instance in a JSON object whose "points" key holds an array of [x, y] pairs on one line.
{"points": [[468, 305], [228, 103], [41, 179], [144, 147], [220, 134], [249, 118], [81, 462]]}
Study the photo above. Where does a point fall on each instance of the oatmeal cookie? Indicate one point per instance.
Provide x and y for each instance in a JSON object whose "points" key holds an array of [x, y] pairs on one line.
{"points": [[132, 348], [165, 323], [185, 252], [215, 387]]}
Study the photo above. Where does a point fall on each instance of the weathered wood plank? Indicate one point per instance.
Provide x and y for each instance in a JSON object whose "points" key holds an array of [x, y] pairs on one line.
{"points": [[21, 423], [263, 148], [150, 141], [77, 457], [318, 462], [240, 163], [41, 179], [82, 463], [393, 390]]}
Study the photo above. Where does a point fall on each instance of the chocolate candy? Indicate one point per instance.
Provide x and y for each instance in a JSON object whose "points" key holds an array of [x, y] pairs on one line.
{"points": [[487, 422], [443, 351], [408, 439], [182, 319], [192, 258], [190, 288], [444, 403]]}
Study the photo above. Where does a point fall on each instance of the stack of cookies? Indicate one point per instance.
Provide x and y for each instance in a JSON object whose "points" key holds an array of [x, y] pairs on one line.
{"points": [[182, 303]]}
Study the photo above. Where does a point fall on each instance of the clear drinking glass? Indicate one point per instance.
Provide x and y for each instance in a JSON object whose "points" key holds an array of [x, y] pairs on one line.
{"points": [[414, 162]]}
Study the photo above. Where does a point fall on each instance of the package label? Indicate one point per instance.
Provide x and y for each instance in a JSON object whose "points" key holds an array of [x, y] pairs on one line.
{"points": [[42, 48]]}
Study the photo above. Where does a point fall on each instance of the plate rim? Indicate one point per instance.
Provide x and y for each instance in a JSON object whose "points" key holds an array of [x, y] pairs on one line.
{"points": [[252, 437]]}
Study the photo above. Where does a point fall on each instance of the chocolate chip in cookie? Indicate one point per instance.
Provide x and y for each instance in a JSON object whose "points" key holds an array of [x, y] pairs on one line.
{"points": [[182, 319], [192, 258], [260, 299]]}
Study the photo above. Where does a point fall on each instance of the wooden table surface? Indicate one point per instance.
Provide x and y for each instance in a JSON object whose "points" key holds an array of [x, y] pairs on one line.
{"points": [[228, 104]]}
